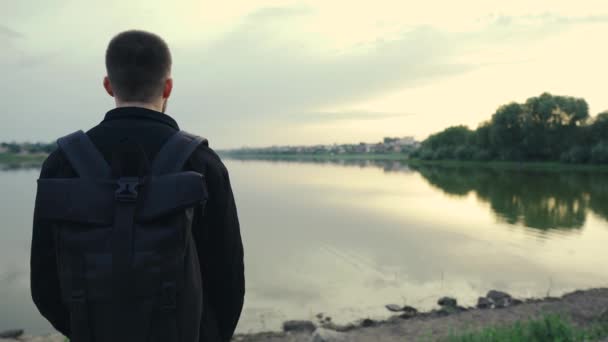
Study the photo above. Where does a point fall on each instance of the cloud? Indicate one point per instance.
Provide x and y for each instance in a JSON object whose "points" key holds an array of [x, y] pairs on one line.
{"points": [[8, 41], [322, 117], [503, 30], [7, 32], [15, 54], [254, 70], [272, 13]]}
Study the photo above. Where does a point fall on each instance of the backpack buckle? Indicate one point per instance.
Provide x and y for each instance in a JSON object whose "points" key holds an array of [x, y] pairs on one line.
{"points": [[127, 189]]}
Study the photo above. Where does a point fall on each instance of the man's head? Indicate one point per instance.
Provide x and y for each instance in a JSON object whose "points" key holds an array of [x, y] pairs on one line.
{"points": [[139, 70]]}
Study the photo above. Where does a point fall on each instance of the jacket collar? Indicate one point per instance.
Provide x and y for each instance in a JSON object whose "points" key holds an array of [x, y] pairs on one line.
{"points": [[139, 113]]}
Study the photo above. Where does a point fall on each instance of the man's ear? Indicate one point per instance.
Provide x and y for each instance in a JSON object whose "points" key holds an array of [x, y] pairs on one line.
{"points": [[108, 86], [168, 88]]}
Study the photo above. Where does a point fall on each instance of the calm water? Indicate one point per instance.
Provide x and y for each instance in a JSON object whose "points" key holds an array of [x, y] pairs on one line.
{"points": [[347, 239]]}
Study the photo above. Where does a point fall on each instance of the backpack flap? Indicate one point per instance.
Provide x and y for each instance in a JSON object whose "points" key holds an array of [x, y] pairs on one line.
{"points": [[76, 200], [92, 201], [174, 192]]}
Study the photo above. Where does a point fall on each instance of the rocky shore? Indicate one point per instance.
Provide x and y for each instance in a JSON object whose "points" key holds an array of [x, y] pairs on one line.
{"points": [[496, 308]]}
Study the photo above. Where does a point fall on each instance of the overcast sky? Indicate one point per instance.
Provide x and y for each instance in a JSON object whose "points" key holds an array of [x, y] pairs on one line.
{"points": [[264, 72]]}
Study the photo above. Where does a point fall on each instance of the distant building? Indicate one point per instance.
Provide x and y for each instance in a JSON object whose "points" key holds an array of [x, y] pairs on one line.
{"points": [[407, 141]]}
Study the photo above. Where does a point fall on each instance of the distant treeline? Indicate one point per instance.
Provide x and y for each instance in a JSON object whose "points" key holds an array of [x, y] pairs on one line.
{"points": [[32, 148], [544, 128]]}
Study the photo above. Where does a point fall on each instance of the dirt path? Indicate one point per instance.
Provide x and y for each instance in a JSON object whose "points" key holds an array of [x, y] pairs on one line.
{"points": [[582, 307]]}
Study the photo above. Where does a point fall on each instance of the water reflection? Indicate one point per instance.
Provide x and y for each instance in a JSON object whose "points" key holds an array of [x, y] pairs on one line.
{"points": [[539, 199], [536, 199], [386, 165]]}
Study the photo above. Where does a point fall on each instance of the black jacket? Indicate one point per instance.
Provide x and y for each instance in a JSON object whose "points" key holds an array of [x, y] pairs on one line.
{"points": [[216, 230]]}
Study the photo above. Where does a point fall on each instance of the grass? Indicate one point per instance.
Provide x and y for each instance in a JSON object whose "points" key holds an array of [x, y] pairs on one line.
{"points": [[551, 328]]}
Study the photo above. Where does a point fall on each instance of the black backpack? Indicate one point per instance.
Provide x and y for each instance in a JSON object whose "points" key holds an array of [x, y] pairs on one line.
{"points": [[127, 263]]}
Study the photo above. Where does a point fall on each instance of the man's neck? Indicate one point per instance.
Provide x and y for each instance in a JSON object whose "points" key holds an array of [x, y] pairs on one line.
{"points": [[151, 106]]}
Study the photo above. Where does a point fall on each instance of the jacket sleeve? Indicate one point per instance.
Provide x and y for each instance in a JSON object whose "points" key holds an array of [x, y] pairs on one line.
{"points": [[220, 248], [44, 279]]}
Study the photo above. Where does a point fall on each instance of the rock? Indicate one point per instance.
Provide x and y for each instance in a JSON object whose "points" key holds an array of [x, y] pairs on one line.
{"points": [[500, 299], [11, 333], [410, 309], [408, 315], [394, 307], [503, 303], [445, 311], [408, 312], [450, 310], [299, 326], [484, 303], [495, 296], [342, 328], [447, 302], [326, 335], [320, 315], [368, 323]]}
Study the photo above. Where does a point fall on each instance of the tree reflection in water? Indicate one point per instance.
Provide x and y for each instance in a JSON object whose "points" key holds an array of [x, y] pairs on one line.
{"points": [[539, 199]]}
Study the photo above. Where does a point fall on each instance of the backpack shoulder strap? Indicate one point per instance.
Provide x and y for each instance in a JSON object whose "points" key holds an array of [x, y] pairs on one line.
{"points": [[84, 157], [175, 153]]}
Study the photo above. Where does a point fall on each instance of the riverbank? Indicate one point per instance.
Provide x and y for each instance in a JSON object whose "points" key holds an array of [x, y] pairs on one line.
{"points": [[580, 313], [582, 310]]}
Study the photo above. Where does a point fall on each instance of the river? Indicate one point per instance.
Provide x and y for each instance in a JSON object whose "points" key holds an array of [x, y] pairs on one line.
{"points": [[345, 239]]}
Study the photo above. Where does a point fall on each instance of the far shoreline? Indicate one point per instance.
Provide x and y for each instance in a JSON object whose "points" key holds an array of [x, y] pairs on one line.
{"points": [[513, 165], [33, 160]]}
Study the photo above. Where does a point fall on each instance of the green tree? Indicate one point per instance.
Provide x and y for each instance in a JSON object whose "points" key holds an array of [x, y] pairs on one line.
{"points": [[550, 125], [599, 128], [506, 131]]}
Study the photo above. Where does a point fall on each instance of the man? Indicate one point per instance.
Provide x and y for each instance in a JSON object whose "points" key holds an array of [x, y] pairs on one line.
{"points": [[139, 78]]}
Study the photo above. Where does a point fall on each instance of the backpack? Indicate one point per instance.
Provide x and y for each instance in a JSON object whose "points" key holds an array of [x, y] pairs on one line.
{"points": [[127, 262]]}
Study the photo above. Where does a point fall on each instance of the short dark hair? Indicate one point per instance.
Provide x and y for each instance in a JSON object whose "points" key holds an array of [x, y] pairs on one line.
{"points": [[137, 63]]}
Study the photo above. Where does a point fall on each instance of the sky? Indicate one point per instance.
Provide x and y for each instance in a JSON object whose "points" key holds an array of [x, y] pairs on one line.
{"points": [[296, 72]]}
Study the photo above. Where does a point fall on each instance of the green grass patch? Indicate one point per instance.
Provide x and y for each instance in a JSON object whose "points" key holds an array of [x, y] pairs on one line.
{"points": [[551, 328]]}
